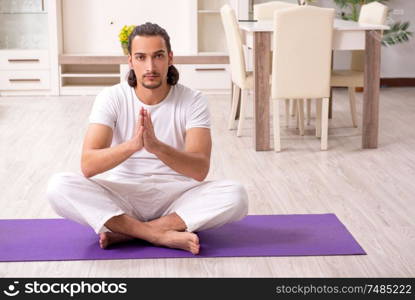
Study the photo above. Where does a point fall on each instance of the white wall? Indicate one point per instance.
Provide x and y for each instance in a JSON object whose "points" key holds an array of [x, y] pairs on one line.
{"points": [[87, 24], [399, 60]]}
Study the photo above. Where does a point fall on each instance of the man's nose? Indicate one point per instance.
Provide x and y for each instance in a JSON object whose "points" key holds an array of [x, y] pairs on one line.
{"points": [[150, 64]]}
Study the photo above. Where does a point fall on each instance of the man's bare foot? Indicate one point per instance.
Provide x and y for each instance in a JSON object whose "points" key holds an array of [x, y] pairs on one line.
{"points": [[108, 238], [182, 240]]}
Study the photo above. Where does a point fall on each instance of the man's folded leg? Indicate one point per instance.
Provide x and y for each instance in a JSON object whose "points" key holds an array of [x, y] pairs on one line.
{"points": [[92, 203], [83, 200], [211, 204]]}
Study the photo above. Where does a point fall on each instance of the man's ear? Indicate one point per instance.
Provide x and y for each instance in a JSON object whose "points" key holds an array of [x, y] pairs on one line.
{"points": [[170, 58], [130, 62]]}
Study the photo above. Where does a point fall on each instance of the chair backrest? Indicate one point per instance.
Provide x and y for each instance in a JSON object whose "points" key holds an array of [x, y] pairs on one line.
{"points": [[234, 43], [265, 11], [301, 65], [372, 13]]}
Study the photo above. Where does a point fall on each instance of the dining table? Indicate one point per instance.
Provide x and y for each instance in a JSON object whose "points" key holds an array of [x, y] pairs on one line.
{"points": [[347, 35]]}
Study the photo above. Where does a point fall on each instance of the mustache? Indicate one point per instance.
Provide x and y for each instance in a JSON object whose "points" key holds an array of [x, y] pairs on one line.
{"points": [[151, 74]]}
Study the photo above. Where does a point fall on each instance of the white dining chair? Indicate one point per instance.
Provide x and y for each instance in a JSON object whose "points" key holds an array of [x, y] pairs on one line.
{"points": [[372, 13], [242, 80], [301, 67], [265, 11]]}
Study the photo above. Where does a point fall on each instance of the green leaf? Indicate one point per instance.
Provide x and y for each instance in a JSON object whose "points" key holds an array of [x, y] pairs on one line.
{"points": [[341, 3]]}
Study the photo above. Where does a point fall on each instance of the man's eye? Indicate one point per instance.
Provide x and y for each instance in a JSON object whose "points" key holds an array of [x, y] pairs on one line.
{"points": [[159, 55], [140, 57]]}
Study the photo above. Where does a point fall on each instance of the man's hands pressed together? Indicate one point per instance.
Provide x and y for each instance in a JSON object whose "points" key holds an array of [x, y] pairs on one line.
{"points": [[144, 136], [137, 140], [150, 141], [193, 162]]}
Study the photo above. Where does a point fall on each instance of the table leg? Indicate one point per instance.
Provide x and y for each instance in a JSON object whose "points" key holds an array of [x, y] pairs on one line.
{"points": [[262, 71], [370, 126]]}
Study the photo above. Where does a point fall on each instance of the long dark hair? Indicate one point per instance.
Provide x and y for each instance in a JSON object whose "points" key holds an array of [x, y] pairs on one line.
{"points": [[151, 29]]}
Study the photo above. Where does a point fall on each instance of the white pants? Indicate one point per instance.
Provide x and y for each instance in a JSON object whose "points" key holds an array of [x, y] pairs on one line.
{"points": [[93, 201]]}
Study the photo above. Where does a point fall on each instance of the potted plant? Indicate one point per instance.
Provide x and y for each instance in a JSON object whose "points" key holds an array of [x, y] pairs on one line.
{"points": [[123, 37]]}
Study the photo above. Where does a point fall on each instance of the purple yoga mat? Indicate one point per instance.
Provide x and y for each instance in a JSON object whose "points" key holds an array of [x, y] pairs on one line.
{"points": [[255, 235]]}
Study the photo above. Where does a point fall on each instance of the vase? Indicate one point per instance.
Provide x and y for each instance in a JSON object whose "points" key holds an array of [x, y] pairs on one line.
{"points": [[124, 48]]}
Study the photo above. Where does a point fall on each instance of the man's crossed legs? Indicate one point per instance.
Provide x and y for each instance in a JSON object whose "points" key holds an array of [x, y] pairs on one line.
{"points": [[166, 231], [163, 211]]}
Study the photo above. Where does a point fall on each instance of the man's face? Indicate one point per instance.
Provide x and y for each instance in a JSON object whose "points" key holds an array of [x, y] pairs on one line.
{"points": [[150, 60]]}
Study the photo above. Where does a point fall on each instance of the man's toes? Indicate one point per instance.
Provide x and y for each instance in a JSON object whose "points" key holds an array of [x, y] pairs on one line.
{"points": [[195, 238], [103, 240], [194, 249], [194, 244]]}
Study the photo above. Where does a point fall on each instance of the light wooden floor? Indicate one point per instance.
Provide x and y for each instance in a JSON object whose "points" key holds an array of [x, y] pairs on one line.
{"points": [[372, 191]]}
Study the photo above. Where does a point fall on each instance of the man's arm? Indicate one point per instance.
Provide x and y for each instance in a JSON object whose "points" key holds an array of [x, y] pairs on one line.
{"points": [[193, 162], [98, 156]]}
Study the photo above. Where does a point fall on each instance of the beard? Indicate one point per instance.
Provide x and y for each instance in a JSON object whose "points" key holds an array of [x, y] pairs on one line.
{"points": [[152, 85]]}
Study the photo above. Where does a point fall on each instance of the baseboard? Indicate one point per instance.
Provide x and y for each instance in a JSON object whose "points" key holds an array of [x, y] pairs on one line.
{"points": [[384, 82]]}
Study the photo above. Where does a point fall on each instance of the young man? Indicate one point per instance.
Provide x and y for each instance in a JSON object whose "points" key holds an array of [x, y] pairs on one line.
{"points": [[152, 136]]}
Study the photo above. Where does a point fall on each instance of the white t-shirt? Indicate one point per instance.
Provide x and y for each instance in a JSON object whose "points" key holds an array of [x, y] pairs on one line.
{"points": [[118, 107]]}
